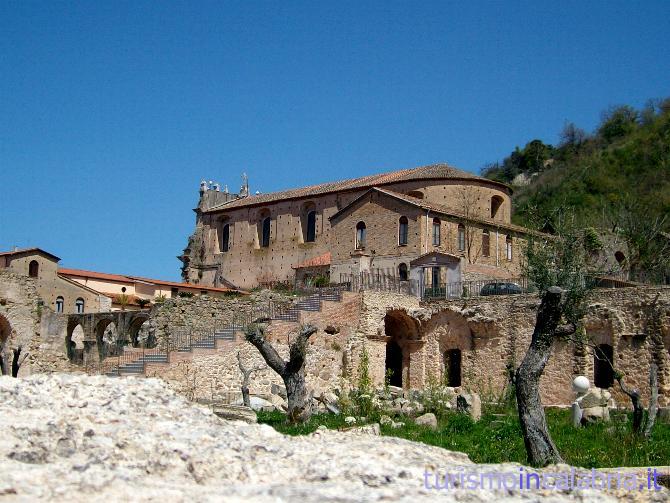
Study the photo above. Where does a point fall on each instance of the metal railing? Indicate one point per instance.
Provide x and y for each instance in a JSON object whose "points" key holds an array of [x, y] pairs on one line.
{"points": [[379, 282], [118, 359]]}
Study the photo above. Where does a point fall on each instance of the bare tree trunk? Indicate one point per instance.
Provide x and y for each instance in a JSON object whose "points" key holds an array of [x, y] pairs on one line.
{"points": [[638, 410], [246, 375], [540, 447], [292, 372], [653, 401], [17, 360]]}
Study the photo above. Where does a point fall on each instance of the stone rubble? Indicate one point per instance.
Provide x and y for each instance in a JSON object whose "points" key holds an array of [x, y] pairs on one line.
{"points": [[76, 438]]}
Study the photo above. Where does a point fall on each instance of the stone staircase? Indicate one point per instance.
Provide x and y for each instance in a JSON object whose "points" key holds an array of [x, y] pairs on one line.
{"points": [[134, 362]]}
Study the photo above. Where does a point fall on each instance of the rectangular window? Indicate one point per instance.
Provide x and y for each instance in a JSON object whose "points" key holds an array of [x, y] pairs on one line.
{"points": [[486, 244], [403, 229], [436, 234], [461, 238]]}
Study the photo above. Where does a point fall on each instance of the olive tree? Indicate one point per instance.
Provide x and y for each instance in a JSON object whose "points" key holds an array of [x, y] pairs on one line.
{"points": [[556, 266], [292, 371]]}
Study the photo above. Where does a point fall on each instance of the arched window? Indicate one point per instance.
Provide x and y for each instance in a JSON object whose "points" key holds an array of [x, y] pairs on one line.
{"points": [[60, 304], [79, 305], [360, 236], [310, 235], [265, 241], [486, 243], [436, 231], [33, 269], [402, 272], [496, 205], [461, 237], [603, 373], [263, 228], [224, 244], [452, 366], [508, 247], [403, 227]]}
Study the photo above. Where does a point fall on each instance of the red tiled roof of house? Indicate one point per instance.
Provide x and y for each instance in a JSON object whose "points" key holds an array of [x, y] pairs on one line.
{"points": [[118, 278], [433, 171], [80, 273], [320, 261]]}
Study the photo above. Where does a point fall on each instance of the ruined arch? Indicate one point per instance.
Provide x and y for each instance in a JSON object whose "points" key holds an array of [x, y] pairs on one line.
{"points": [[75, 342], [451, 338], [140, 332], [605, 347], [108, 338], [402, 342]]}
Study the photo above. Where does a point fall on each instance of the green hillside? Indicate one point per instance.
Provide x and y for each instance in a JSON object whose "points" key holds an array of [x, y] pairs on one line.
{"points": [[623, 168]]}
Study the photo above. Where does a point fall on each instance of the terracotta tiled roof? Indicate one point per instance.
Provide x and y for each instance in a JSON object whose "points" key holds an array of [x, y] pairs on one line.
{"points": [[434, 171], [80, 273], [22, 251], [183, 285], [441, 210], [321, 260], [118, 278]]}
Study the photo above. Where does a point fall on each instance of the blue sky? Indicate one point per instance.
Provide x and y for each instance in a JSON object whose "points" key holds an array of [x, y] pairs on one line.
{"points": [[112, 112]]}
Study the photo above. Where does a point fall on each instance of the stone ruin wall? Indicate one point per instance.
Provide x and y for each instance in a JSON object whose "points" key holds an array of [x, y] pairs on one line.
{"points": [[494, 332], [208, 374]]}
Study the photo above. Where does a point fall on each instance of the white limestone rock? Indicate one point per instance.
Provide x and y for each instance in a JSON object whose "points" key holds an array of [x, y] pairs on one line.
{"points": [[79, 438], [427, 419]]}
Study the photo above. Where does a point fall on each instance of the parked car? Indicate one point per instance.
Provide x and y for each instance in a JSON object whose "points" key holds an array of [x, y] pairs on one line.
{"points": [[501, 289]]}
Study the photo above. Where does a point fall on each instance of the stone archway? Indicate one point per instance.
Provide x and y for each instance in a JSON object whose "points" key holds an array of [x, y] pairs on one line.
{"points": [[75, 342], [402, 345], [107, 338], [140, 332], [451, 342]]}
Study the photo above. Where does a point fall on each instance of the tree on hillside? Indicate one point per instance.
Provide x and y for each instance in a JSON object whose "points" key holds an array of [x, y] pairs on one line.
{"points": [[617, 122], [556, 268], [292, 371], [647, 244]]}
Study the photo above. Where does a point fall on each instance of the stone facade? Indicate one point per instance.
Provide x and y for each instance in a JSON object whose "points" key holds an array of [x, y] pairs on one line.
{"points": [[19, 314], [214, 374], [493, 333], [232, 245], [43, 268]]}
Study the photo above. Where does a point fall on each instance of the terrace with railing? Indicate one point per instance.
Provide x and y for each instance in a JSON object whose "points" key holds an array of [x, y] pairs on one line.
{"points": [[377, 281]]}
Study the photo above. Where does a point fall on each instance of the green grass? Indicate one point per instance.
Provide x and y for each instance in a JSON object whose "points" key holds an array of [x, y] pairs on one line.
{"points": [[499, 439]]}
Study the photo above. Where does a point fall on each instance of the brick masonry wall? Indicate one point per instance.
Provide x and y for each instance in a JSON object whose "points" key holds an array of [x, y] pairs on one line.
{"points": [[246, 263]]}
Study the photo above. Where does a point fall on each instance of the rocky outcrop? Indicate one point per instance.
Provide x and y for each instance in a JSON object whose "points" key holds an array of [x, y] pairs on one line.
{"points": [[80, 438]]}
